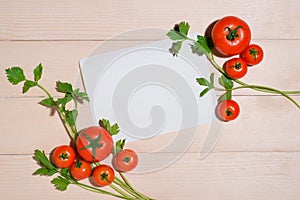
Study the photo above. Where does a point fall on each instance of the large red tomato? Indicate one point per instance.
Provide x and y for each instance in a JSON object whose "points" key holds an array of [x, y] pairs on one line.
{"points": [[231, 35], [94, 144]]}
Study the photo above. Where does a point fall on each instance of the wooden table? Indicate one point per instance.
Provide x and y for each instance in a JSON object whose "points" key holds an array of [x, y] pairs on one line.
{"points": [[258, 155]]}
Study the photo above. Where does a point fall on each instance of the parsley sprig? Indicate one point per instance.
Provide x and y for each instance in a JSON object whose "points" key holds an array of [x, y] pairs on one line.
{"points": [[202, 46], [15, 76]]}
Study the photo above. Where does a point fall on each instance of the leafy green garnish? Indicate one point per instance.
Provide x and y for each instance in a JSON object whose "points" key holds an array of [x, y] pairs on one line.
{"points": [[204, 82], [37, 72], [42, 159], [61, 183], [27, 85], [64, 87], [15, 75], [120, 145], [112, 129], [226, 82], [45, 172], [179, 32]]}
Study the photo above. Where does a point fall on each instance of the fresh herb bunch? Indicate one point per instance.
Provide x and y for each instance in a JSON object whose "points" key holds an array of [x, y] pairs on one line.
{"points": [[64, 178]]}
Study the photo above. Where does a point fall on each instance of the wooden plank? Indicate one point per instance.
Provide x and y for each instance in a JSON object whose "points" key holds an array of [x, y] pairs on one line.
{"points": [[94, 20], [26, 126], [226, 176], [61, 63]]}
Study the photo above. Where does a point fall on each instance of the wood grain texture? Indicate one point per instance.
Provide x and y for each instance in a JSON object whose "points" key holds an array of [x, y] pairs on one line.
{"points": [[94, 20], [279, 70], [226, 176], [257, 156], [30, 122]]}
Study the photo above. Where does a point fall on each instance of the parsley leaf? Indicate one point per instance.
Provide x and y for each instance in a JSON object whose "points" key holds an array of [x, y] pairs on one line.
{"points": [[176, 46], [226, 96], [27, 85], [38, 72], [204, 92], [42, 159], [15, 75], [120, 145], [64, 87], [175, 35], [184, 28], [71, 116], [203, 82], [201, 46], [226, 82], [113, 130], [48, 102], [60, 183], [80, 95], [45, 172], [65, 100]]}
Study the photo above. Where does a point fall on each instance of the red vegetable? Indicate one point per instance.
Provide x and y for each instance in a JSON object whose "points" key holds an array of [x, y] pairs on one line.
{"points": [[253, 54], [63, 156], [235, 68], [94, 144], [231, 35], [103, 175], [228, 110], [80, 170], [125, 161]]}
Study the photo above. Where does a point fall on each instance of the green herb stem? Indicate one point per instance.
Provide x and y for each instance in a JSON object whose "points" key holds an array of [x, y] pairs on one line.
{"points": [[72, 132], [126, 188], [97, 190], [127, 196], [129, 185]]}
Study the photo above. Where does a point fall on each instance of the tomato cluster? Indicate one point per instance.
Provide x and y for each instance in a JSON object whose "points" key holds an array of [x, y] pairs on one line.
{"points": [[93, 145], [231, 36]]}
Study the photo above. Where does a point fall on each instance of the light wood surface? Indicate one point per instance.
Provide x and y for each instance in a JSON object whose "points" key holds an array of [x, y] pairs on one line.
{"points": [[257, 156]]}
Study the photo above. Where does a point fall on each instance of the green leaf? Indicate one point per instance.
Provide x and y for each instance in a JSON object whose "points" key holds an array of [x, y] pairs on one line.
{"points": [[15, 75], [113, 130], [176, 46], [226, 82], [175, 35], [203, 81], [48, 102], [45, 172], [212, 79], [65, 100], [60, 183], [38, 72], [226, 96], [42, 159], [204, 92], [71, 116], [202, 43], [27, 85], [120, 145], [184, 28], [65, 172], [64, 87], [81, 95]]}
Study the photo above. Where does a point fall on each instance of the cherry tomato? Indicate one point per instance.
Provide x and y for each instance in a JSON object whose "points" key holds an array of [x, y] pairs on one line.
{"points": [[125, 160], [94, 144], [103, 175], [231, 35], [235, 68], [253, 54], [80, 170], [228, 110], [63, 156]]}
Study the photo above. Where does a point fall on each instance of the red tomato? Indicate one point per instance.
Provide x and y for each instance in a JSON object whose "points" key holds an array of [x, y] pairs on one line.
{"points": [[94, 144], [125, 160], [63, 156], [228, 110], [231, 35], [235, 68], [103, 175], [253, 54], [80, 170]]}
